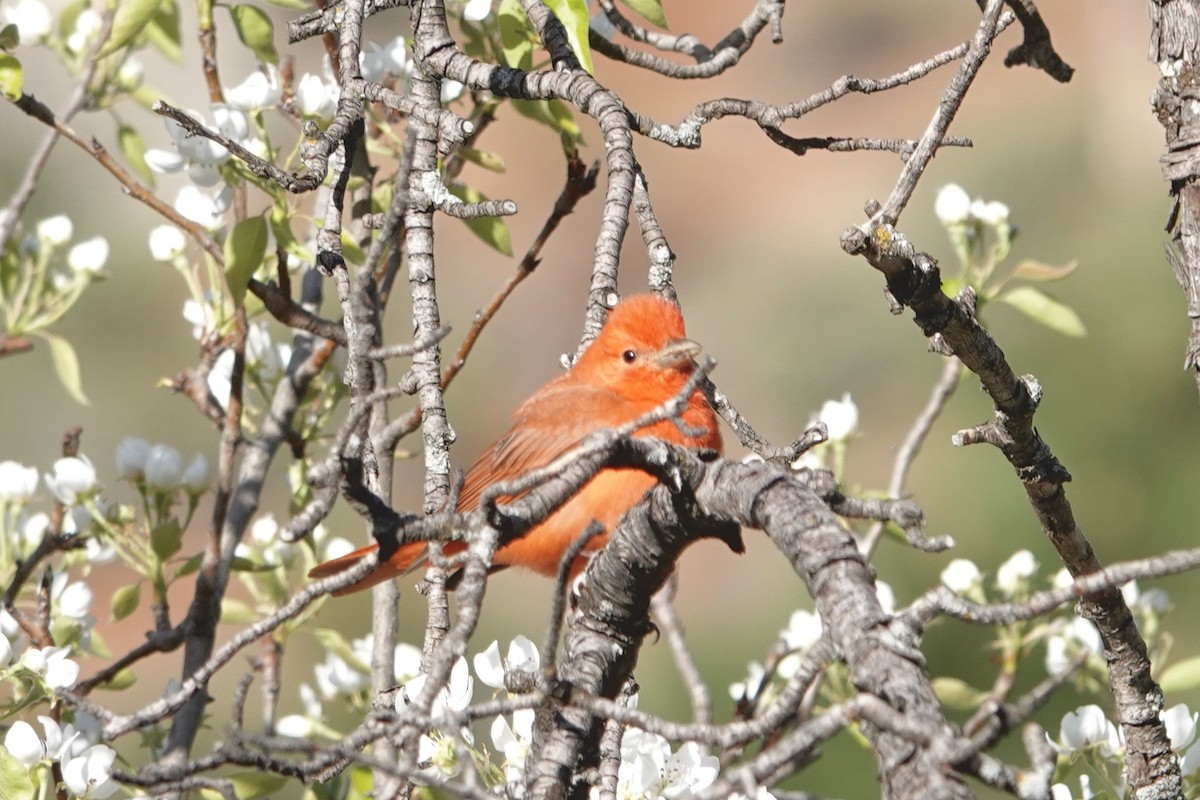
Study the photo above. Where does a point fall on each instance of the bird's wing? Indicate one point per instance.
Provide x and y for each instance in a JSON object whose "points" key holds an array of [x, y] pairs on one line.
{"points": [[545, 427]]}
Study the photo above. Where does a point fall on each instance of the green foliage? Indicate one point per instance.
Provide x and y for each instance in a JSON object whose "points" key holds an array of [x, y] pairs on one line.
{"points": [[163, 32], [14, 777], [649, 10], [573, 14], [492, 230], [245, 249], [125, 601], [1042, 308], [133, 147], [256, 31], [66, 366], [11, 76], [131, 18], [166, 538]]}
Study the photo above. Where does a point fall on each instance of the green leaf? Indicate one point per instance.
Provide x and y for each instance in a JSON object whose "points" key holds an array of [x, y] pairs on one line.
{"points": [[190, 566], [66, 365], [1039, 272], [256, 31], [125, 601], [556, 115], [296, 5], [236, 612], [119, 682], [162, 32], [1042, 308], [131, 18], [489, 161], [649, 10], [351, 250], [10, 37], [14, 777], [166, 539], [281, 227], [1182, 676], [573, 14], [133, 147], [516, 35], [12, 77], [253, 785], [245, 248], [492, 230], [957, 694]]}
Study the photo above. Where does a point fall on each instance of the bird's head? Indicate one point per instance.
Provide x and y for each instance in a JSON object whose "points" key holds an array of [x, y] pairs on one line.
{"points": [[642, 349]]}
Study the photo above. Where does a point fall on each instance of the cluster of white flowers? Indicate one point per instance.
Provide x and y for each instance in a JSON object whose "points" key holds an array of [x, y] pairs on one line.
{"points": [[160, 467], [1087, 731], [649, 768], [72, 481], [955, 207], [86, 765]]}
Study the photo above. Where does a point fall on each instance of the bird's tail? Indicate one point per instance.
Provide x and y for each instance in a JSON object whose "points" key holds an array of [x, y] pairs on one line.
{"points": [[405, 558]]}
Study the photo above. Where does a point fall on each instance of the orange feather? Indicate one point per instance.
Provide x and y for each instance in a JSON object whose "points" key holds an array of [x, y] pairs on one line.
{"points": [[640, 359]]}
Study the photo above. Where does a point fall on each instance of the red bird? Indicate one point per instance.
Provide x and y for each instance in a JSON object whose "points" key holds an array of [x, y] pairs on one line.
{"points": [[640, 360]]}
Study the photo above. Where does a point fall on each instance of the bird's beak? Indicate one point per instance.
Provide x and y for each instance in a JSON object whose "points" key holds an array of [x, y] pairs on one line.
{"points": [[677, 352]]}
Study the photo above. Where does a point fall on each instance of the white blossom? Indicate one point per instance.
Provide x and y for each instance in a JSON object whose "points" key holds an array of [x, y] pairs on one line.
{"points": [[33, 19], [1087, 727], [259, 90], [53, 665], [316, 97], [1060, 791], [164, 468], [207, 210], [87, 25], [131, 73], [74, 599], [17, 481], [1013, 575], [961, 575], [522, 657], [650, 769], [992, 212], [23, 743], [166, 242], [196, 475], [132, 454], [57, 230], [840, 418], [89, 256], [72, 478], [886, 597], [1075, 637], [453, 697], [376, 61], [749, 688], [202, 317], [89, 774], [803, 630], [451, 90], [477, 10], [513, 741], [199, 155], [1180, 723], [953, 204]]}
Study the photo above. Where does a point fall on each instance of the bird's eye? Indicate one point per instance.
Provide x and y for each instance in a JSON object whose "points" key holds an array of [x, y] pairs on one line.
{"points": [[629, 356]]}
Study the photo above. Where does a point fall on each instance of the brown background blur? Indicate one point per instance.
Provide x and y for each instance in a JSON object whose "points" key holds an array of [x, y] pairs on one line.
{"points": [[765, 288]]}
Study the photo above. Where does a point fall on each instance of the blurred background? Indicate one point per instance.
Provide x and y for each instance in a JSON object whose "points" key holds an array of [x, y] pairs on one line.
{"points": [[766, 288]]}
